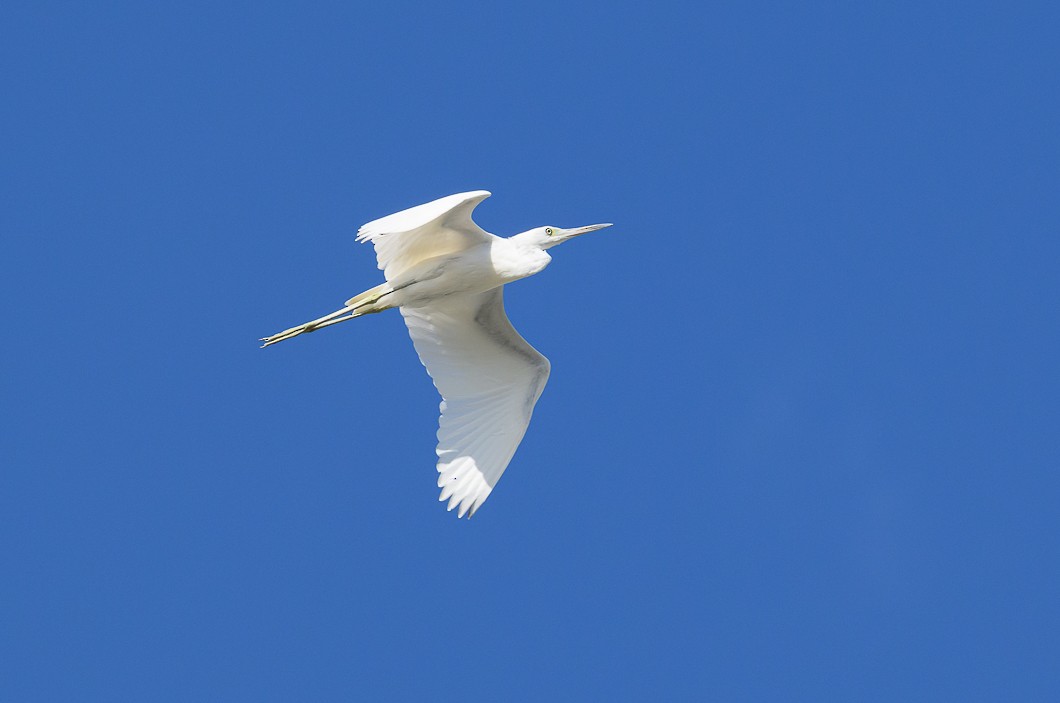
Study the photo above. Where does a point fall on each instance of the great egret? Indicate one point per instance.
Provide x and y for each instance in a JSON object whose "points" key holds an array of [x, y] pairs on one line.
{"points": [[447, 275]]}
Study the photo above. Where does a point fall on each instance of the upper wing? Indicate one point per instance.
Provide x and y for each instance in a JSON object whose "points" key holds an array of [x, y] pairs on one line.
{"points": [[490, 379], [443, 226]]}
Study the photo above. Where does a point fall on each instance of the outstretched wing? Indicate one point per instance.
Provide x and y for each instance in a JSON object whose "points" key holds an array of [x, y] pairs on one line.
{"points": [[490, 379], [443, 226]]}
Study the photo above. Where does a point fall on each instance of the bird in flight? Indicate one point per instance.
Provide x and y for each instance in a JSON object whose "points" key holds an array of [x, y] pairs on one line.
{"points": [[446, 276]]}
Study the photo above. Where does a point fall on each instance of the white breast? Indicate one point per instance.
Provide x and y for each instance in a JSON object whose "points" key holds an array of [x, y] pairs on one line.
{"points": [[513, 260]]}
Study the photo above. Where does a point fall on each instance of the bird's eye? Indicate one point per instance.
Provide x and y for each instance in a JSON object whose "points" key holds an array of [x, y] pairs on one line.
{"points": [[548, 231]]}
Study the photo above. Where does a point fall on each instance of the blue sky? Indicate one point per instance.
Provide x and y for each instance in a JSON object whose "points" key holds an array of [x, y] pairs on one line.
{"points": [[801, 436]]}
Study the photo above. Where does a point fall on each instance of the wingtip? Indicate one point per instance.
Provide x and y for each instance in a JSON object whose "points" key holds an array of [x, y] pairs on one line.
{"points": [[477, 195]]}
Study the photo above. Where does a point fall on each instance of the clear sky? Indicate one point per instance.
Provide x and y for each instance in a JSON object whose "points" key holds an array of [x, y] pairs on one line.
{"points": [[802, 435]]}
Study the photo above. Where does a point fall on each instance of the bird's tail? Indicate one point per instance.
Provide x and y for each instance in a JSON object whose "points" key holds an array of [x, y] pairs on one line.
{"points": [[366, 303]]}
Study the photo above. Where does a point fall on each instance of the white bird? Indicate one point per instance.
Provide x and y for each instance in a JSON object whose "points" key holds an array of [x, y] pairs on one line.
{"points": [[447, 276]]}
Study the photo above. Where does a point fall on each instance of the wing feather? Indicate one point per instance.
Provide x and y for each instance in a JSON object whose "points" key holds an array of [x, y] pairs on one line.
{"points": [[443, 226], [489, 378]]}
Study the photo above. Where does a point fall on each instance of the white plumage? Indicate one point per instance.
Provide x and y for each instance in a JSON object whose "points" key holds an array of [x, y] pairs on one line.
{"points": [[446, 275], [443, 226]]}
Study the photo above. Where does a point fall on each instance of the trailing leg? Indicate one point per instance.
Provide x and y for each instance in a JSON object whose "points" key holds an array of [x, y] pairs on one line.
{"points": [[366, 303]]}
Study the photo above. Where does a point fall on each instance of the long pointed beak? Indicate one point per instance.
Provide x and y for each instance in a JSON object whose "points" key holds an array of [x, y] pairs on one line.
{"points": [[569, 233]]}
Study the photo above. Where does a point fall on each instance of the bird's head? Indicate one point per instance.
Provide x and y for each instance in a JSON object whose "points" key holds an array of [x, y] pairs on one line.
{"points": [[549, 236]]}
